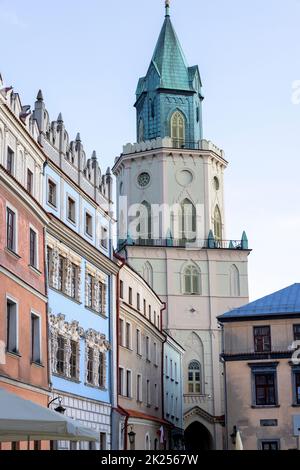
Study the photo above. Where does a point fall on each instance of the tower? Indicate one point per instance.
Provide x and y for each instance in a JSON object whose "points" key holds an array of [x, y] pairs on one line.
{"points": [[170, 193]]}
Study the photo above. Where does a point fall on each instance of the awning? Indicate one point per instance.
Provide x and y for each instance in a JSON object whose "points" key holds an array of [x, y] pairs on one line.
{"points": [[23, 420]]}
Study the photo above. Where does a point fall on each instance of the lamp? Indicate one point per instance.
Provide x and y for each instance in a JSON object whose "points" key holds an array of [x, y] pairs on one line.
{"points": [[131, 436], [60, 409], [233, 435]]}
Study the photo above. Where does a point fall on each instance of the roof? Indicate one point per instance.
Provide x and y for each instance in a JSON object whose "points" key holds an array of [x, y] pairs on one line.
{"points": [[283, 302], [140, 415], [169, 59]]}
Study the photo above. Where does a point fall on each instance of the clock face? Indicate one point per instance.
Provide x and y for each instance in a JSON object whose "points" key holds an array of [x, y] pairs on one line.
{"points": [[144, 179]]}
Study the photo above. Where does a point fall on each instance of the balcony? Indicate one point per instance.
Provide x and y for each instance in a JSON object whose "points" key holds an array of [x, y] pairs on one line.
{"points": [[196, 400], [210, 243]]}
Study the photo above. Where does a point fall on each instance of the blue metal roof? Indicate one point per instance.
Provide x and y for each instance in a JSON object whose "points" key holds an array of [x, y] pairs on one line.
{"points": [[283, 302]]}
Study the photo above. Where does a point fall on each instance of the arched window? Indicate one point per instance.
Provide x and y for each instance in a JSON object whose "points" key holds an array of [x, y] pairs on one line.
{"points": [[235, 289], [141, 131], [145, 225], [178, 129], [147, 442], [148, 273], [194, 378], [189, 220], [218, 224], [192, 280]]}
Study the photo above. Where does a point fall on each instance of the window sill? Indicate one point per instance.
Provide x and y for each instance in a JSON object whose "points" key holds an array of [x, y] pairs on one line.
{"points": [[61, 376], [72, 222], [53, 206], [259, 407], [148, 361], [102, 315], [88, 235], [15, 354], [149, 406], [296, 405], [139, 356], [103, 389], [12, 253], [65, 295], [35, 270], [37, 364]]}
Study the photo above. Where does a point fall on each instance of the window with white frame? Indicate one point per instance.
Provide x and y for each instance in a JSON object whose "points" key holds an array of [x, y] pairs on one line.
{"points": [[128, 384], [148, 394], [192, 280], [194, 377], [121, 381], [33, 244], [139, 388], [11, 229], [128, 336], [155, 354], [88, 224], [148, 352], [171, 369], [138, 342], [52, 193], [11, 326], [156, 396], [10, 161], [121, 332], [29, 181], [104, 237], [35, 339], [71, 210]]}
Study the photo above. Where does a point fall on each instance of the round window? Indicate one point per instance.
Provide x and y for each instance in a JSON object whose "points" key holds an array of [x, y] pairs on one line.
{"points": [[144, 179]]}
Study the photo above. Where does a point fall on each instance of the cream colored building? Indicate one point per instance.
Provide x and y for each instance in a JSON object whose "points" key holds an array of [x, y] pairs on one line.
{"points": [[262, 378], [140, 380]]}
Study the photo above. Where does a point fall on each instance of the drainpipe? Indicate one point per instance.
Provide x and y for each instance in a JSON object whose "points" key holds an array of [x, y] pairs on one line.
{"points": [[162, 362], [119, 408]]}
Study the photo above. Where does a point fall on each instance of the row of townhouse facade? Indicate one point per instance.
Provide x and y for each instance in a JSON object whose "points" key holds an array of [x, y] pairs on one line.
{"points": [[62, 339]]}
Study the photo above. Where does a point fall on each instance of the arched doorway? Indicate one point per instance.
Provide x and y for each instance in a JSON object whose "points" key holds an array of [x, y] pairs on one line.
{"points": [[197, 438]]}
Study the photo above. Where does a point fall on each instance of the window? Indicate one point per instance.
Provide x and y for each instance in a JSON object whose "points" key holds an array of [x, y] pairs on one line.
{"points": [[11, 230], [15, 446], [74, 360], [122, 289], [128, 335], [148, 273], [29, 181], [101, 370], [90, 299], [104, 237], [270, 445], [265, 390], [141, 130], [71, 210], [189, 221], [52, 193], [145, 217], [178, 129], [218, 224], [262, 339], [74, 275], [155, 354], [139, 388], [166, 367], [235, 289], [192, 281], [176, 373], [156, 396], [121, 332], [121, 381], [33, 248], [296, 332], [148, 348], [128, 384], [37, 445], [172, 406], [194, 378], [167, 404], [138, 302], [60, 279], [171, 369], [12, 326], [138, 342], [49, 263], [130, 296], [145, 307], [90, 366], [102, 441], [88, 224], [148, 393], [10, 161], [35, 339], [60, 355], [101, 294]]}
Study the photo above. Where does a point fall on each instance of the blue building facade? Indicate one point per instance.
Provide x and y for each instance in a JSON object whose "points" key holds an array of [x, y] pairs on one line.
{"points": [[169, 98], [81, 280]]}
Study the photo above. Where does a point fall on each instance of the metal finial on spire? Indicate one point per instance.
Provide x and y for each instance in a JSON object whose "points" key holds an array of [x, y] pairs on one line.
{"points": [[168, 7]]}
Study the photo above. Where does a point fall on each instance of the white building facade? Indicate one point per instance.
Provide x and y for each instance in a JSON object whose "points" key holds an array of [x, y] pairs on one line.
{"points": [[170, 192]]}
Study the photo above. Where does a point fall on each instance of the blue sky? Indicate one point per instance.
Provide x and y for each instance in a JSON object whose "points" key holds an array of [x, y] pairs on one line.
{"points": [[87, 58]]}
